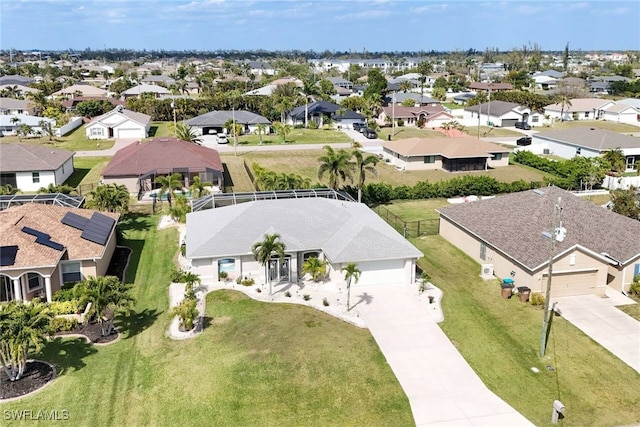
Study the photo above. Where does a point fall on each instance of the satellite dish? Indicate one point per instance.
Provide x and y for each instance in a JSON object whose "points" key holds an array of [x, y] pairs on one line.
{"points": [[561, 233]]}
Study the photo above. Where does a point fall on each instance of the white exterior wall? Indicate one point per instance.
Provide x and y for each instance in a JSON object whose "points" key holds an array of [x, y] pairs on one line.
{"points": [[132, 129], [64, 172], [105, 131], [562, 150], [630, 117], [24, 180]]}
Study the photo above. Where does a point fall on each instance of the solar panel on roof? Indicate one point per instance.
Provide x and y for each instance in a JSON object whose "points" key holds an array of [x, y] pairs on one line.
{"points": [[74, 220], [98, 229], [43, 238], [8, 255]]}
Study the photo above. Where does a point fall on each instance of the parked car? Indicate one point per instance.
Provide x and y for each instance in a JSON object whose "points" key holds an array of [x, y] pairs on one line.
{"points": [[357, 126], [525, 140], [523, 125], [222, 138], [370, 134]]}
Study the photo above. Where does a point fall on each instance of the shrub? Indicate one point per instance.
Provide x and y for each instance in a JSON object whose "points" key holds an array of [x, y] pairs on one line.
{"points": [[299, 126], [325, 302], [65, 307], [400, 123], [634, 289], [287, 294], [187, 312], [537, 299], [62, 324], [223, 275], [306, 297], [247, 281], [176, 275], [68, 294], [313, 125]]}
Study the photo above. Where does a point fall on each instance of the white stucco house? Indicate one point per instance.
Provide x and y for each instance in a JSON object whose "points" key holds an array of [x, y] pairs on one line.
{"points": [[622, 113], [579, 109], [31, 167], [119, 123], [337, 231], [501, 114]]}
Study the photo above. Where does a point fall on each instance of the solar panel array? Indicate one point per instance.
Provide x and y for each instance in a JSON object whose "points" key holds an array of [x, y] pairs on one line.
{"points": [[95, 229], [8, 255], [43, 238]]}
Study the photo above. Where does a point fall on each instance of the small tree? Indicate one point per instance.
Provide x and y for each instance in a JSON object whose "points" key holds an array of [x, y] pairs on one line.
{"points": [[168, 184], [47, 128], [315, 267], [187, 312], [108, 297], [199, 188], [264, 250], [260, 130], [351, 272], [110, 198], [185, 132]]}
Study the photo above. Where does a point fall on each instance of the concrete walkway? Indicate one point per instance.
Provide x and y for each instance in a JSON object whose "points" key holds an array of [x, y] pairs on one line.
{"points": [[604, 323], [441, 387], [120, 143]]}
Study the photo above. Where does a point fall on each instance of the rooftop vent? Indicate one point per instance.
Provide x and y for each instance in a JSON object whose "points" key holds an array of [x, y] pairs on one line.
{"points": [[538, 192]]}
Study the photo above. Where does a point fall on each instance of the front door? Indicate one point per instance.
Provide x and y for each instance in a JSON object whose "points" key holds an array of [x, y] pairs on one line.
{"points": [[6, 289], [280, 269]]}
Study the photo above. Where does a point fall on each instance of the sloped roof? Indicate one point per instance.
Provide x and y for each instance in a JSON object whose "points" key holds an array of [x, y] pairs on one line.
{"points": [[579, 104], [323, 107], [86, 90], [514, 223], [589, 137], [492, 86], [450, 148], [145, 88], [403, 96], [162, 154], [619, 108], [344, 231], [400, 111], [498, 108], [27, 158], [139, 118], [70, 103], [219, 118], [47, 219], [15, 104]]}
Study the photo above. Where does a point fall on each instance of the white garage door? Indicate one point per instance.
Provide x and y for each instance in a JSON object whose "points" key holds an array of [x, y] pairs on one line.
{"points": [[129, 133], [381, 272], [569, 284]]}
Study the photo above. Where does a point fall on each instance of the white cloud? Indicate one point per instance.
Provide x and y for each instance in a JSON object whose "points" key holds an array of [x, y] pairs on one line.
{"points": [[430, 8], [528, 10], [366, 14]]}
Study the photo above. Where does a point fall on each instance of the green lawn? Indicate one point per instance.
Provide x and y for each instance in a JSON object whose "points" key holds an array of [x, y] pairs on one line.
{"points": [[415, 210], [75, 141], [486, 131], [598, 124], [236, 178], [406, 132], [87, 170], [500, 340], [297, 136], [160, 129], [255, 364]]}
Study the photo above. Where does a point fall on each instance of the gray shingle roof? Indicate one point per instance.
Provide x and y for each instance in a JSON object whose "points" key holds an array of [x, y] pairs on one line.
{"points": [[594, 138], [27, 158], [219, 118], [513, 224], [498, 108], [344, 231]]}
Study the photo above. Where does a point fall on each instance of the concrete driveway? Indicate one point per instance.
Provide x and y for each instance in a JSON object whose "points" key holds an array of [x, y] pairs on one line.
{"points": [[604, 323], [441, 387]]}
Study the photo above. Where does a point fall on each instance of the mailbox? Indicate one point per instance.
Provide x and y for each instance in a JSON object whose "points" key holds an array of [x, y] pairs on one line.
{"points": [[558, 412]]}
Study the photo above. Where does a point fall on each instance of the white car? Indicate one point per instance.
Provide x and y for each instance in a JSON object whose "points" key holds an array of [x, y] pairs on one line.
{"points": [[222, 139]]}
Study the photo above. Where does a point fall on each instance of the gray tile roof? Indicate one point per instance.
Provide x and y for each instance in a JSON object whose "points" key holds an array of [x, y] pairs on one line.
{"points": [[498, 108], [344, 231], [27, 158], [219, 118], [513, 224], [593, 138]]}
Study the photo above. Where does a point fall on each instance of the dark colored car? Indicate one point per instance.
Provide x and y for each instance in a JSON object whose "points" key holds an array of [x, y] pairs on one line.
{"points": [[523, 125], [525, 140], [357, 126], [370, 134]]}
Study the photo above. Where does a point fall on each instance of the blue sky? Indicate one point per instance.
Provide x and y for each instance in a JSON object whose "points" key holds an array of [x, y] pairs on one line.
{"points": [[374, 25]]}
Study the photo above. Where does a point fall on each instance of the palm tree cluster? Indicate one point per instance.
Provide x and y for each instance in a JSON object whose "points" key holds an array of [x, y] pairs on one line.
{"points": [[339, 167], [110, 198], [108, 297], [267, 180], [315, 267], [187, 310], [185, 132], [264, 250]]}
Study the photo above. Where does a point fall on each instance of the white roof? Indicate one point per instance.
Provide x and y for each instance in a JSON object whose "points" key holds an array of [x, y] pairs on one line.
{"points": [[344, 231], [33, 121], [145, 88]]}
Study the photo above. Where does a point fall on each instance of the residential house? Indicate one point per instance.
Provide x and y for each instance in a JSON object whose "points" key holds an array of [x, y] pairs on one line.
{"points": [[215, 122], [31, 167], [510, 236], [502, 114], [9, 124], [164, 81], [79, 90], [15, 79], [44, 246], [138, 90], [463, 98], [622, 113], [432, 115], [339, 232], [70, 105], [137, 166], [400, 97], [119, 123], [490, 87], [16, 90], [578, 109], [322, 112], [449, 154], [634, 102], [11, 106], [586, 142]]}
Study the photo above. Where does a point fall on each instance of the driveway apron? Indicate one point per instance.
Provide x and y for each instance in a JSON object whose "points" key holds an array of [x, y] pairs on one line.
{"points": [[441, 387]]}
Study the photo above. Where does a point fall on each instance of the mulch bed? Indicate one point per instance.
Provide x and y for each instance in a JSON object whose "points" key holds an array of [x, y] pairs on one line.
{"points": [[93, 332], [37, 375], [119, 262]]}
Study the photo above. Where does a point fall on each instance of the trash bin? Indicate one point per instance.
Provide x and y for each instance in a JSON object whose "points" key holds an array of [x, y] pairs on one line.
{"points": [[507, 288], [389, 137], [524, 293]]}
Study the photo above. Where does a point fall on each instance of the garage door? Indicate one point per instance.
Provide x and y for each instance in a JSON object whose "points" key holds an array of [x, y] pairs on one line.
{"points": [[569, 284], [129, 133], [506, 123], [381, 272]]}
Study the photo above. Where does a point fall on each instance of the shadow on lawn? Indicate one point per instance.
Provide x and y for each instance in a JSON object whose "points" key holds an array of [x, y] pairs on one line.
{"points": [[67, 354], [136, 322]]}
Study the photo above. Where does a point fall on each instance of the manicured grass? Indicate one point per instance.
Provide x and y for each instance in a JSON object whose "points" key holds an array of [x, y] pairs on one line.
{"points": [[598, 124], [500, 340], [406, 132], [75, 141], [255, 363], [160, 129], [632, 310], [599, 199], [87, 170], [297, 136], [236, 178], [415, 210], [486, 131]]}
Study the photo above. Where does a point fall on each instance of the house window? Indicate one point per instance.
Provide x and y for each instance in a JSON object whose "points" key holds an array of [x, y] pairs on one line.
{"points": [[586, 114], [34, 281], [496, 156], [578, 151], [96, 132], [429, 159], [534, 119], [35, 176], [71, 272], [483, 251]]}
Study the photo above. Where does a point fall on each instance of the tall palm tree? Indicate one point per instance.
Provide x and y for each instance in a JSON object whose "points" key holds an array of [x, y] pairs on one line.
{"points": [[566, 102], [337, 165], [351, 272], [110, 198], [22, 327], [185, 132], [616, 159], [282, 129], [364, 165], [260, 129], [405, 86], [264, 250], [199, 188], [40, 101], [169, 183], [190, 279], [108, 297]]}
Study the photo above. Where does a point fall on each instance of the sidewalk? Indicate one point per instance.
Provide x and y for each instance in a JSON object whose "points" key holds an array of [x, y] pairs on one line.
{"points": [[120, 143]]}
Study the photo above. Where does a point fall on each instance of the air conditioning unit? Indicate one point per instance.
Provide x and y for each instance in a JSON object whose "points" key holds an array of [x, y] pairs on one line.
{"points": [[486, 271], [546, 151]]}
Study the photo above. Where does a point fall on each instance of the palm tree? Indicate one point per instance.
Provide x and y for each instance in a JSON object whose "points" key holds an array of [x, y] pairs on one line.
{"points": [[199, 188], [260, 129], [405, 86], [616, 159], [316, 267], [351, 271], [337, 165], [187, 312], [566, 102], [110, 198], [264, 250], [40, 101], [22, 327], [282, 129], [362, 166], [169, 183], [108, 297], [185, 132], [190, 279], [47, 127]]}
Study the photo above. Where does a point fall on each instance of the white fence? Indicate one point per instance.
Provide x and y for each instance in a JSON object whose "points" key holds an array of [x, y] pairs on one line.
{"points": [[74, 123], [614, 182]]}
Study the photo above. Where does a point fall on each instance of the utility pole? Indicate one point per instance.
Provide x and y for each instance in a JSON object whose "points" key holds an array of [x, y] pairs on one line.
{"points": [[235, 133], [555, 235], [393, 114]]}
